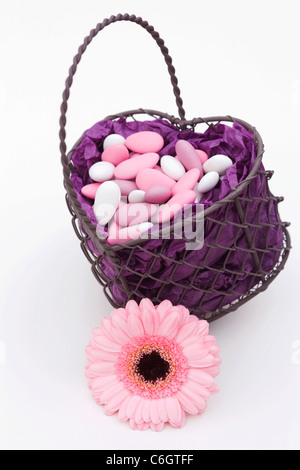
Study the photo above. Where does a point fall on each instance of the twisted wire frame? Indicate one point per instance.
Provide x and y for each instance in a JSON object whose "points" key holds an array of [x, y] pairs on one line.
{"points": [[239, 200]]}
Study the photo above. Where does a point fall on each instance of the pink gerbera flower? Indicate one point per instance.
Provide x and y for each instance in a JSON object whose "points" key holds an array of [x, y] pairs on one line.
{"points": [[152, 364]]}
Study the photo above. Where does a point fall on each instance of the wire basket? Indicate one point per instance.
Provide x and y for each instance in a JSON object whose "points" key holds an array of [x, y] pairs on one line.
{"points": [[245, 243]]}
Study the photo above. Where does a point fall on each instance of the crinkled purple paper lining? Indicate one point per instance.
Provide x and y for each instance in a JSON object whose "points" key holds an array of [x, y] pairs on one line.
{"points": [[236, 142]]}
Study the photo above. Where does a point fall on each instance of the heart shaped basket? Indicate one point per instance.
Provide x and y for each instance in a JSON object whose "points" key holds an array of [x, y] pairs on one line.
{"points": [[245, 242]]}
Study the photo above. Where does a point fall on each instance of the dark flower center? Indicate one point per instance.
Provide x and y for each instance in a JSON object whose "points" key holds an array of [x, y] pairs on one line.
{"points": [[152, 367]]}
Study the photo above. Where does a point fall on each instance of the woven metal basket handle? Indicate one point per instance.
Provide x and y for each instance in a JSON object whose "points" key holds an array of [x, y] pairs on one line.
{"points": [[100, 26]]}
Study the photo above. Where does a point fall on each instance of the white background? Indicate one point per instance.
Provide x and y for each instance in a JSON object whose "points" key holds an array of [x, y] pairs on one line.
{"points": [[231, 57]]}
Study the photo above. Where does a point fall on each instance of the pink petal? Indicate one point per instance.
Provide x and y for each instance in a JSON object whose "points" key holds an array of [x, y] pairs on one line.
{"points": [[121, 325], [122, 411], [200, 389], [203, 327], [184, 314], [193, 396], [107, 356], [120, 313], [143, 426], [186, 403], [206, 361], [157, 427], [173, 409], [97, 331], [135, 326], [213, 389], [103, 368], [194, 352], [209, 340], [115, 402], [147, 320], [191, 339], [146, 304], [213, 370], [108, 411], [106, 326], [201, 377], [110, 392], [107, 344], [146, 410], [93, 354], [214, 350], [138, 416], [133, 308], [101, 383], [169, 325], [150, 317], [154, 414], [162, 411], [181, 422], [163, 308], [132, 424], [186, 330], [132, 405]]}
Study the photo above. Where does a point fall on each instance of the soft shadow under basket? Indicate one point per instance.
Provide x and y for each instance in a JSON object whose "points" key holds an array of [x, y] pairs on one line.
{"points": [[245, 245]]}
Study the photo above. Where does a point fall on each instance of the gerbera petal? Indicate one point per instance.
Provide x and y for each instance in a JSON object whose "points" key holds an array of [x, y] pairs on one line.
{"points": [[135, 326], [157, 427], [186, 403], [186, 330], [121, 326], [138, 415], [148, 321], [106, 327], [133, 424], [146, 410], [93, 354], [183, 313], [154, 414], [214, 350], [213, 389], [133, 308], [187, 390], [169, 324], [191, 339], [115, 401], [162, 411], [213, 370], [101, 383], [119, 313], [203, 391], [163, 308], [203, 327], [143, 426], [201, 377], [132, 405], [206, 361], [122, 411], [97, 331], [194, 352], [181, 422], [146, 304], [110, 392], [173, 409], [106, 355], [102, 368], [107, 344]]}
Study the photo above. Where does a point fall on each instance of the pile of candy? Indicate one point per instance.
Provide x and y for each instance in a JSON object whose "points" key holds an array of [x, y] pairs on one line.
{"points": [[134, 187]]}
